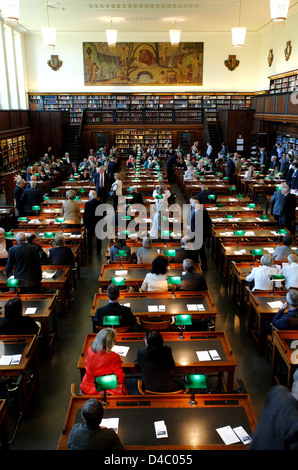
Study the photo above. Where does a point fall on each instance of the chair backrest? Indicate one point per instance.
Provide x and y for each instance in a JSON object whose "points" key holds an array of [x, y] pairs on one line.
{"points": [[119, 329], [144, 392], [293, 323], [155, 325]]}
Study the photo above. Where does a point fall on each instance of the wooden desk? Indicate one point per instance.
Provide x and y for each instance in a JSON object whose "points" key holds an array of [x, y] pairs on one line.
{"points": [[60, 281], [26, 345], [46, 313], [3, 425], [184, 353], [259, 310], [135, 273], [245, 221], [285, 351], [232, 208], [157, 248], [7, 215], [197, 425], [139, 304]]}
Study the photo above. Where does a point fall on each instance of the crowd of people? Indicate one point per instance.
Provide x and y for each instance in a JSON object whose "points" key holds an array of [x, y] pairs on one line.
{"points": [[154, 361]]}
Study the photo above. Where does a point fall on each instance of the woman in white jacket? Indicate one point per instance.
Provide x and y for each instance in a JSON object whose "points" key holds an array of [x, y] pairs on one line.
{"points": [[117, 187]]}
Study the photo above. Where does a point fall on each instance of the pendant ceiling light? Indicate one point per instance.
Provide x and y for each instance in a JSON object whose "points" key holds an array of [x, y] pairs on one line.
{"points": [[175, 36], [111, 35], [238, 33], [10, 10], [279, 10], [48, 33]]}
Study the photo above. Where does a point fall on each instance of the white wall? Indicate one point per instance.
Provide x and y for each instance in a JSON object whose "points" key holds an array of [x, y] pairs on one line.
{"points": [[70, 77]]}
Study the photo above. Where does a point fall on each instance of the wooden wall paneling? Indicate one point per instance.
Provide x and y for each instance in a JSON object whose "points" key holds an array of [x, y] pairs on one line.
{"points": [[55, 139], [260, 104], [232, 131], [269, 104], [24, 115], [4, 121], [36, 138], [281, 103], [45, 132], [15, 121], [292, 105]]}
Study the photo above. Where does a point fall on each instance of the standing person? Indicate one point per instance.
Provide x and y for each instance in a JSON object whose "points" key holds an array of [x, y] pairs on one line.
{"points": [[18, 193], [117, 187], [71, 211], [276, 200], [89, 435], [25, 260], [101, 360], [230, 170], [288, 209], [101, 181], [277, 427], [209, 150], [31, 197], [90, 220], [5, 244], [112, 169]]}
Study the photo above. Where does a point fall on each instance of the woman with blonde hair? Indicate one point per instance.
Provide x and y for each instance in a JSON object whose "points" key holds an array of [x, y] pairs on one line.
{"points": [[101, 360], [71, 211]]}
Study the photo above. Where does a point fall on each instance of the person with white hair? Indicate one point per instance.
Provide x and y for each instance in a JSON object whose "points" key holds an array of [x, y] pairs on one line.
{"points": [[90, 221], [260, 275], [290, 272], [287, 215], [5, 244], [24, 259], [71, 211], [287, 313], [17, 194]]}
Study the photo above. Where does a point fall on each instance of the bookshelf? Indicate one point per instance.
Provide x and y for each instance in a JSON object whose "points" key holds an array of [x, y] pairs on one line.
{"points": [[288, 142], [284, 83], [142, 108], [13, 153], [126, 139]]}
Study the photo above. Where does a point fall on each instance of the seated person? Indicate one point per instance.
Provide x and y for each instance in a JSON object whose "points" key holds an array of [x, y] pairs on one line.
{"points": [[202, 196], [156, 280], [101, 360], [114, 308], [146, 254], [14, 323], [287, 316], [136, 196], [261, 274], [61, 254], [282, 252], [290, 272], [89, 435], [32, 238], [190, 280], [120, 245], [186, 251], [155, 363], [5, 244], [85, 175]]}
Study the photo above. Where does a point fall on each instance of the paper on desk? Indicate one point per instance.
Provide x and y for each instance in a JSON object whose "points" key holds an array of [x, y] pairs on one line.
{"points": [[160, 429], [121, 272], [214, 355], [242, 434], [227, 434], [7, 360], [121, 350], [161, 308], [152, 308], [270, 250], [47, 275], [276, 304], [110, 423], [203, 356], [127, 304], [30, 310], [249, 234]]}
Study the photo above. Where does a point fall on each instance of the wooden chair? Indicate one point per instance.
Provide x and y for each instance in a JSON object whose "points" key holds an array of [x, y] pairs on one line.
{"points": [[119, 329], [162, 325], [144, 392]]}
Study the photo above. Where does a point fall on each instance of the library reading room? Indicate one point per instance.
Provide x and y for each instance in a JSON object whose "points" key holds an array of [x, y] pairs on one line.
{"points": [[148, 161]]}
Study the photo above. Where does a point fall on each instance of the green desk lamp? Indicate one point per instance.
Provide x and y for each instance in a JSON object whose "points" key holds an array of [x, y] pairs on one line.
{"points": [[182, 321], [104, 383], [275, 278], [174, 281], [111, 320], [193, 382], [118, 280], [254, 253]]}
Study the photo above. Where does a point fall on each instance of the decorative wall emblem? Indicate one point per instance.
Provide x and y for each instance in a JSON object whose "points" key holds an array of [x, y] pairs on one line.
{"points": [[55, 63], [232, 63], [288, 50], [270, 57]]}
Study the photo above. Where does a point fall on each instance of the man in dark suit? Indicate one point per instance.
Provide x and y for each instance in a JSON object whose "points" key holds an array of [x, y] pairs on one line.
{"points": [[186, 251], [206, 230], [18, 193], [31, 197], [230, 170], [190, 280], [293, 181], [25, 260], [287, 209], [61, 254], [136, 196], [203, 196], [101, 181], [112, 169], [114, 308], [90, 221]]}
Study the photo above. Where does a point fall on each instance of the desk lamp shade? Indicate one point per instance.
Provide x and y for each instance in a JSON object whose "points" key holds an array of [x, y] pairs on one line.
{"points": [[8, 235], [127, 217], [121, 253], [81, 190], [49, 235], [165, 233], [264, 217], [13, 283], [183, 320], [55, 190], [111, 320], [225, 178], [233, 188], [118, 280], [256, 252], [282, 231], [239, 233], [211, 196], [36, 208], [228, 216], [77, 198], [219, 205], [129, 196], [159, 196], [59, 220], [196, 381], [22, 219], [277, 277], [46, 198], [104, 383], [170, 253], [71, 179], [251, 205], [174, 280]]}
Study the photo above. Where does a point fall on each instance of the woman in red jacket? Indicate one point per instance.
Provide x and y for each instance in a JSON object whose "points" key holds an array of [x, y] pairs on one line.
{"points": [[101, 360]]}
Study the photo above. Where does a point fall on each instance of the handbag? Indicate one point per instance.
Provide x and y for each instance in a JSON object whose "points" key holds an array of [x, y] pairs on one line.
{"points": [[112, 192]]}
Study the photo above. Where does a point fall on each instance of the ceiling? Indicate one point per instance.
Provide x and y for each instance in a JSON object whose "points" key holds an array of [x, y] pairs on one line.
{"points": [[142, 16]]}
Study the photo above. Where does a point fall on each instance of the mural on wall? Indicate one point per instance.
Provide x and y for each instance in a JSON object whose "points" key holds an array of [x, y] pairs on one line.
{"points": [[148, 63]]}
